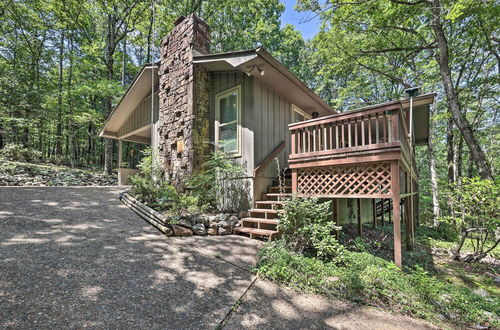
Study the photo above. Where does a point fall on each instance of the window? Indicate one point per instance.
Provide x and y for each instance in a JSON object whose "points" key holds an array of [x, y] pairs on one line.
{"points": [[227, 121], [298, 114]]}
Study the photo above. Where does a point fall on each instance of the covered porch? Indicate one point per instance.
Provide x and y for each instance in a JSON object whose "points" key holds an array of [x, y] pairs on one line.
{"points": [[368, 153], [134, 118]]}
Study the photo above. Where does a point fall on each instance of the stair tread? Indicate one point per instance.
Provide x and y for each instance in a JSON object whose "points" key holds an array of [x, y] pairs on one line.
{"points": [[261, 220], [278, 194], [255, 231], [263, 210], [270, 202]]}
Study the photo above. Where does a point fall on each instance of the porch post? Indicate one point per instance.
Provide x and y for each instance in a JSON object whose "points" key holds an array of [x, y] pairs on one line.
{"points": [[119, 153], [120, 156], [396, 212]]}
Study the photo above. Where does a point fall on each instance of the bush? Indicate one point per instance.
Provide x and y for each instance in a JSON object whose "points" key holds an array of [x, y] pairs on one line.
{"points": [[371, 280], [207, 184], [17, 152], [477, 216], [307, 226], [278, 263], [149, 187]]}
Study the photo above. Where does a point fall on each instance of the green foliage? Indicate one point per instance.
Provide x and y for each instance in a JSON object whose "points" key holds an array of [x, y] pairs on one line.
{"points": [[367, 279], [307, 226], [149, 187], [17, 152], [208, 183], [476, 215], [278, 263]]}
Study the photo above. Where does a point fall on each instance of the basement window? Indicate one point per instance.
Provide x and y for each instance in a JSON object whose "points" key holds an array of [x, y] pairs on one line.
{"points": [[227, 121]]}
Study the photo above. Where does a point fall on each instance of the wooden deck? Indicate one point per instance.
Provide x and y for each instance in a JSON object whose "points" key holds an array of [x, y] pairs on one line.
{"points": [[366, 153]]}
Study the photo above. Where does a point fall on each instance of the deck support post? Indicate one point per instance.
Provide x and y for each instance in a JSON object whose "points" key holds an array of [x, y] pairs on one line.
{"points": [[395, 192], [294, 181], [360, 228], [335, 203], [374, 212]]}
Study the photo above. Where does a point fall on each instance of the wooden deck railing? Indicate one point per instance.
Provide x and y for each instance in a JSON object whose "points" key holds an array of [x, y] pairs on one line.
{"points": [[350, 132]]}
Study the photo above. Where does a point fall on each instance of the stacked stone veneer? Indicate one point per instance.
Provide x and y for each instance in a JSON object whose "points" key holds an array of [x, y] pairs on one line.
{"points": [[184, 99]]}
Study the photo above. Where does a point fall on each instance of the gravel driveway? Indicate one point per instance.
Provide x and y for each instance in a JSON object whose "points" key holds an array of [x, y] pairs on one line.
{"points": [[73, 257]]}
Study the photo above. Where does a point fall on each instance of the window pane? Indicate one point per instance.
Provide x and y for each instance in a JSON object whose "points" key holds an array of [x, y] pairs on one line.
{"points": [[297, 117], [228, 108], [228, 138]]}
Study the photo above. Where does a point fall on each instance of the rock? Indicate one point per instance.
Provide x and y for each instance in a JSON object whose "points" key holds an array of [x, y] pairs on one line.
{"points": [[182, 231], [214, 225], [224, 231], [223, 224], [233, 220], [199, 229], [212, 231], [184, 221], [238, 224], [212, 219], [221, 217], [481, 292], [200, 219]]}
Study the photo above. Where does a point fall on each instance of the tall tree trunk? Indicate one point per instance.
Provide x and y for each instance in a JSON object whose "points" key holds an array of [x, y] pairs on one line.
{"points": [[450, 154], [475, 149], [436, 210], [150, 32], [124, 58], [460, 160], [108, 143], [72, 131], [60, 96]]}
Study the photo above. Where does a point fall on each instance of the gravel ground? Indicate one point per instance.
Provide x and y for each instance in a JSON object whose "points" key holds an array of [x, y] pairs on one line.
{"points": [[74, 257]]}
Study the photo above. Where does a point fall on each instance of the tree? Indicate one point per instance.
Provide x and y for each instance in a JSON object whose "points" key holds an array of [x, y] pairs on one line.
{"points": [[396, 39]]}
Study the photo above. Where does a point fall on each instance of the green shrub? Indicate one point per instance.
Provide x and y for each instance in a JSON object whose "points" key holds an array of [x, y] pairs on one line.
{"points": [[367, 279], [477, 216], [307, 226], [207, 183], [444, 231], [149, 187], [278, 263], [17, 152]]}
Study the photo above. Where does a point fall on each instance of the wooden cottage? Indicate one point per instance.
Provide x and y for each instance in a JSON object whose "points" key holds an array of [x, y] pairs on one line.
{"points": [[249, 105]]}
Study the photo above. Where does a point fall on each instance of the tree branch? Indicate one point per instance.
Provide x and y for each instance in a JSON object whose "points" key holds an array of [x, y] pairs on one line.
{"points": [[397, 49]]}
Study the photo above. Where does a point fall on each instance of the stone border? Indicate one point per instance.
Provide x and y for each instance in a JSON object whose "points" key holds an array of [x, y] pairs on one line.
{"points": [[183, 224]]}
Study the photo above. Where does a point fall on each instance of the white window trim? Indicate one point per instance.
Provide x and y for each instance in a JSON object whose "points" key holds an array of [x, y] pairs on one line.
{"points": [[300, 111], [219, 96]]}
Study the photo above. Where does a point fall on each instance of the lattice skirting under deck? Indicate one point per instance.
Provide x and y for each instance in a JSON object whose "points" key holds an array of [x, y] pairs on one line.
{"points": [[360, 180]]}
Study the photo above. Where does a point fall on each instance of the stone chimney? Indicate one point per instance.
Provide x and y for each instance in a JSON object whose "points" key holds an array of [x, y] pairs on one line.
{"points": [[184, 99]]}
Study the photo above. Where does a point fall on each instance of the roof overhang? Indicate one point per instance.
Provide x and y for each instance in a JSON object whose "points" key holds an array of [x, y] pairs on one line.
{"points": [[138, 89], [270, 72], [421, 106]]}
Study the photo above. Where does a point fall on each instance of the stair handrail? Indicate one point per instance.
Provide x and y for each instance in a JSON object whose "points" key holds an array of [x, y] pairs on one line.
{"points": [[263, 164]]}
